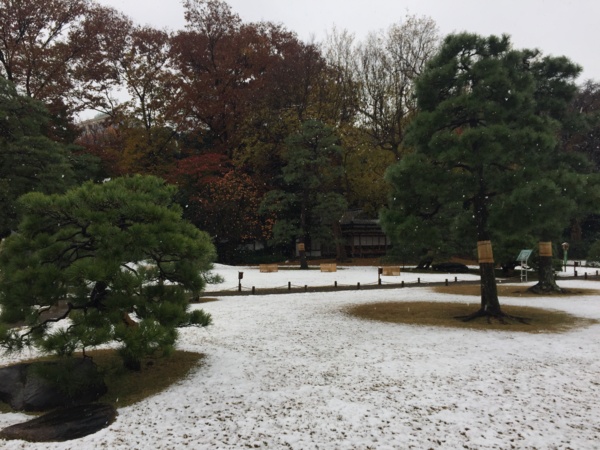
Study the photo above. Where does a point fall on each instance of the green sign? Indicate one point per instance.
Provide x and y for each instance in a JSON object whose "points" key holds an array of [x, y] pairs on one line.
{"points": [[524, 255]]}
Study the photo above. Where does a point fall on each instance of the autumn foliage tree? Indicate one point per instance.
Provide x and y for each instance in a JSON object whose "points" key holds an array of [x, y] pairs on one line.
{"points": [[59, 51], [235, 76], [228, 209]]}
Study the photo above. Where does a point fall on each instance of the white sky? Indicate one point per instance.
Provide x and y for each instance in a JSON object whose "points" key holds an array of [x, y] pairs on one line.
{"points": [[557, 27]]}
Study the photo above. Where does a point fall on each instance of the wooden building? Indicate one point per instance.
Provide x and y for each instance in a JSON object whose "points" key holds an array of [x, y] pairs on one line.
{"points": [[363, 237]]}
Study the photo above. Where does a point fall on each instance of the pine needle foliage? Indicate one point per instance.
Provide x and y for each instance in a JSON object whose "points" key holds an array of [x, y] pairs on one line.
{"points": [[103, 263]]}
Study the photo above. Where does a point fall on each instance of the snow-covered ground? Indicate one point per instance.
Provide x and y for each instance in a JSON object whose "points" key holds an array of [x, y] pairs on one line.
{"points": [[344, 276], [295, 372]]}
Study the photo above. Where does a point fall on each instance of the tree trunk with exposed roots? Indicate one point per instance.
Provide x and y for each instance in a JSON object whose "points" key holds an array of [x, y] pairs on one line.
{"points": [[490, 305], [546, 280]]}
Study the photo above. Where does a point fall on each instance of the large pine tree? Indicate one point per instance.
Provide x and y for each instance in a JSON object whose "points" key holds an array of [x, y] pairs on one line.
{"points": [[485, 128]]}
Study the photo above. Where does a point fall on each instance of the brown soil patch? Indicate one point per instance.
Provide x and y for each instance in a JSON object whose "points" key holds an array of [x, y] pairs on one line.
{"points": [[440, 314], [509, 291]]}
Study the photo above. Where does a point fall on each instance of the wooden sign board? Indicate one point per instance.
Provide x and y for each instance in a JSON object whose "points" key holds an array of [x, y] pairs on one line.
{"points": [[269, 268], [329, 267], [391, 271]]}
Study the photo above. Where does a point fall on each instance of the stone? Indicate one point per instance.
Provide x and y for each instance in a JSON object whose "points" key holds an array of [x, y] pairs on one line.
{"points": [[24, 389], [63, 424]]}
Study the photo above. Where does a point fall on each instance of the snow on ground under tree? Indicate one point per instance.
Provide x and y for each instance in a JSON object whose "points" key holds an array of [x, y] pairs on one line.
{"points": [[294, 371]]}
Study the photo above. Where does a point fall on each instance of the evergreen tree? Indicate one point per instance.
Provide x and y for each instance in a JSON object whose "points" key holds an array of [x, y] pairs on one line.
{"points": [[486, 127], [29, 161], [119, 259], [308, 203]]}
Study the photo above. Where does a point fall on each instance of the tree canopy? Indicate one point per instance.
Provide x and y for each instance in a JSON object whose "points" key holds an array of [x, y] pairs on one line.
{"points": [[59, 51], [308, 203], [221, 96], [119, 259]]}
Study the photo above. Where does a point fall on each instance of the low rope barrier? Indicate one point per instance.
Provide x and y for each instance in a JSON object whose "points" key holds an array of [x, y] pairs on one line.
{"points": [[379, 284], [296, 288]]}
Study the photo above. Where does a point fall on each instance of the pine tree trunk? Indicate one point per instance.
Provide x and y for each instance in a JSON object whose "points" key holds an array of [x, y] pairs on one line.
{"points": [[546, 282], [303, 260], [302, 254], [340, 245], [302, 240], [490, 305]]}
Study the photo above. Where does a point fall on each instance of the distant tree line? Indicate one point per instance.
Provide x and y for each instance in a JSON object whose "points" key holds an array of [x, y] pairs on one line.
{"points": [[266, 137]]}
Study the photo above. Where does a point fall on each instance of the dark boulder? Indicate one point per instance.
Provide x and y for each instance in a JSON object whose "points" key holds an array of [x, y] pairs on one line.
{"points": [[425, 263], [63, 424], [29, 386]]}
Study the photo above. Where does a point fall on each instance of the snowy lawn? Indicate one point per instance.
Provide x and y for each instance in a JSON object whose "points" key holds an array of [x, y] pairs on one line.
{"points": [[294, 371]]}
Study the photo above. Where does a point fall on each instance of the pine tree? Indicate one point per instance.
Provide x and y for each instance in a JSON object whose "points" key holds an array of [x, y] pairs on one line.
{"points": [[119, 259], [485, 132], [29, 161], [308, 201]]}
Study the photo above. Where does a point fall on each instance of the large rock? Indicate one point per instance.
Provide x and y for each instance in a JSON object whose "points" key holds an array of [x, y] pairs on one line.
{"points": [[63, 424], [24, 389]]}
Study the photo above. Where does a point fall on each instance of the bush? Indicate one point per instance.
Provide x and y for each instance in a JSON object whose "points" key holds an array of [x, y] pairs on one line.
{"points": [[594, 252]]}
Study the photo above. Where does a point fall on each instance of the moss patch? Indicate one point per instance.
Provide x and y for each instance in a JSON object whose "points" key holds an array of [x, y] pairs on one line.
{"points": [[126, 387]]}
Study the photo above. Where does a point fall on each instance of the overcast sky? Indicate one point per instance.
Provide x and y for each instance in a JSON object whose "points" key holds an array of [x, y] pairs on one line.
{"points": [[557, 27]]}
